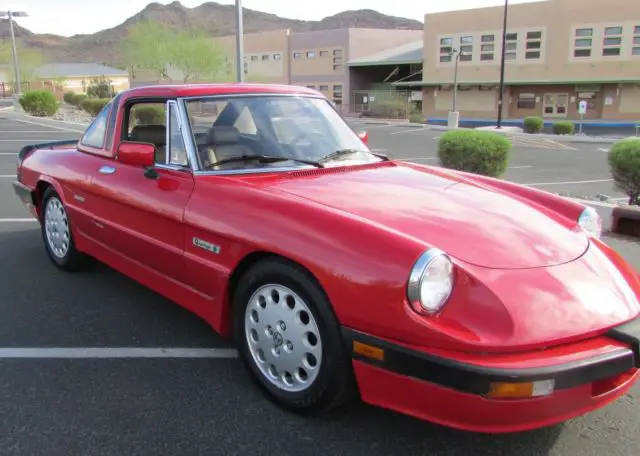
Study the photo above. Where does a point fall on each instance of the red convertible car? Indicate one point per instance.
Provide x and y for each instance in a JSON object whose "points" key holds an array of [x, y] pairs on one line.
{"points": [[464, 300]]}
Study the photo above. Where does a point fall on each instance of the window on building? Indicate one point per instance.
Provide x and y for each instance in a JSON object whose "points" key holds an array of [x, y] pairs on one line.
{"points": [[466, 49], [446, 49], [311, 87], [610, 52], [265, 58], [509, 55], [583, 42], [584, 32], [511, 36], [486, 57], [635, 51], [337, 68], [445, 58], [636, 40], [297, 55], [337, 91], [487, 48], [582, 53], [254, 58], [337, 52], [466, 39], [337, 60], [526, 101], [609, 31], [511, 46], [487, 38], [324, 88], [612, 41], [465, 57], [324, 53], [311, 54], [446, 41], [277, 56], [636, 30], [533, 41]]}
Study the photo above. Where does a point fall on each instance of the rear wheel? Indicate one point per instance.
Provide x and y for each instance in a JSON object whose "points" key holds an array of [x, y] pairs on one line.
{"points": [[289, 338], [57, 235]]}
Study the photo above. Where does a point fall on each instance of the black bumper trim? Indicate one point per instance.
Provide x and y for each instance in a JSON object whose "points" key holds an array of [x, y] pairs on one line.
{"points": [[23, 192], [628, 333], [470, 378]]}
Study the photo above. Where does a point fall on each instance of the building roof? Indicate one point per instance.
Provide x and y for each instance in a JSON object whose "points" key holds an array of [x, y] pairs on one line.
{"points": [[69, 70], [405, 53]]}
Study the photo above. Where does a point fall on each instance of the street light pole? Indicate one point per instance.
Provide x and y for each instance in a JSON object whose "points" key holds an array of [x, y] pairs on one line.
{"points": [[239, 42], [455, 79], [502, 59], [16, 69]]}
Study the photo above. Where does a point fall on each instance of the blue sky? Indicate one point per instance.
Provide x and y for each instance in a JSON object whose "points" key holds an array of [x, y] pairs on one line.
{"points": [[69, 17]]}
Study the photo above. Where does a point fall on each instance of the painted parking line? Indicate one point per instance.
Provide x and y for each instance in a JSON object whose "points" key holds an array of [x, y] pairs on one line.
{"points": [[15, 154], [520, 167], [407, 130], [18, 220], [606, 151], [55, 127], [538, 184], [116, 352]]}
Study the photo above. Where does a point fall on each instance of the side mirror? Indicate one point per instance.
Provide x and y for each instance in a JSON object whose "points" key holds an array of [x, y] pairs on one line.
{"points": [[364, 136], [137, 154]]}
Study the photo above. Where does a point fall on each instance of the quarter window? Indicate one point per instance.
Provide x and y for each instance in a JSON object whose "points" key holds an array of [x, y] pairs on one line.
{"points": [[177, 148], [94, 136]]}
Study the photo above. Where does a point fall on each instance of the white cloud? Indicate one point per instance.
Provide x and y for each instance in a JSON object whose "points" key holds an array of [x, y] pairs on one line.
{"points": [[70, 17]]}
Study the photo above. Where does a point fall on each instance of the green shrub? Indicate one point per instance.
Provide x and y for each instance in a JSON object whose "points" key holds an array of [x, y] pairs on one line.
{"points": [[94, 105], [40, 103], [416, 117], [533, 124], [149, 115], [100, 88], [624, 162], [67, 97], [77, 99], [564, 127], [480, 152]]}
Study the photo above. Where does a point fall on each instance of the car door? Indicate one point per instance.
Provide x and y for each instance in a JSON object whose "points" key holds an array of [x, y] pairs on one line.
{"points": [[141, 217]]}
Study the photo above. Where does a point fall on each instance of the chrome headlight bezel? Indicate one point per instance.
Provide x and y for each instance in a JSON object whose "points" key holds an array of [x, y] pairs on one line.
{"points": [[590, 222], [428, 260]]}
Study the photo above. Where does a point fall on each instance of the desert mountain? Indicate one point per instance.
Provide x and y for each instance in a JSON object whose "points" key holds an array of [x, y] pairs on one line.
{"points": [[217, 19]]}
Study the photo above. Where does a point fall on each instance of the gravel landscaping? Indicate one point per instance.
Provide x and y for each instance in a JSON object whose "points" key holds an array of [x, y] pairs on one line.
{"points": [[70, 113]]}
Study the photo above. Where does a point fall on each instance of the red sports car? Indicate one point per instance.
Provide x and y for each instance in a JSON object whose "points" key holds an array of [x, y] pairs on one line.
{"points": [[456, 298]]}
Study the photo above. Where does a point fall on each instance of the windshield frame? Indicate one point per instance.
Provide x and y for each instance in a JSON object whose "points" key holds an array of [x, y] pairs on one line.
{"points": [[189, 134]]}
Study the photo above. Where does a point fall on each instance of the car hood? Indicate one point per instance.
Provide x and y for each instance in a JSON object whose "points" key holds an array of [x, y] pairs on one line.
{"points": [[475, 224]]}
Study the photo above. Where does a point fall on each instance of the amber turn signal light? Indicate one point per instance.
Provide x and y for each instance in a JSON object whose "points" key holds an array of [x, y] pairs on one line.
{"points": [[504, 390], [368, 351]]}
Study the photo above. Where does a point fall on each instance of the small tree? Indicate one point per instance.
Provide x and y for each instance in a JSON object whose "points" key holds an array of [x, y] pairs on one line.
{"points": [[100, 88], [41, 103], [624, 162]]}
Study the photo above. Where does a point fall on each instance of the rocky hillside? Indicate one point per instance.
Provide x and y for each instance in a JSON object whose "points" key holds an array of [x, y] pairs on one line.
{"points": [[217, 19]]}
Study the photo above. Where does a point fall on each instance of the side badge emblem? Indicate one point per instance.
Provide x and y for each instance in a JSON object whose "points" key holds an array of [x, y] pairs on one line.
{"points": [[206, 245]]}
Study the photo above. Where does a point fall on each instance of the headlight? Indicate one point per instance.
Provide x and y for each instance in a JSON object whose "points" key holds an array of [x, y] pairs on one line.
{"points": [[590, 222], [430, 282]]}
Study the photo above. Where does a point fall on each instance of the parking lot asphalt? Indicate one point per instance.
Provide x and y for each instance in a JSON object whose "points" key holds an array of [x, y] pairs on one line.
{"points": [[134, 403]]}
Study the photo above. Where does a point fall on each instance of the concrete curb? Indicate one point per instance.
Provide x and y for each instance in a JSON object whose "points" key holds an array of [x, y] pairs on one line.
{"points": [[46, 120]]}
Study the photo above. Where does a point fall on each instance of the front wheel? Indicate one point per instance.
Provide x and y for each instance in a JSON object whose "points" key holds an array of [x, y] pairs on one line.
{"points": [[289, 338]]}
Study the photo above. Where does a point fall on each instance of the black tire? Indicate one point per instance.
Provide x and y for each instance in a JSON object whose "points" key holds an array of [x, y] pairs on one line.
{"points": [[73, 259], [334, 384]]}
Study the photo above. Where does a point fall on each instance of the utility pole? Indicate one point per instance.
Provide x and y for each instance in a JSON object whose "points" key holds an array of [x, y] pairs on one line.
{"points": [[504, 41], [16, 68], [239, 42]]}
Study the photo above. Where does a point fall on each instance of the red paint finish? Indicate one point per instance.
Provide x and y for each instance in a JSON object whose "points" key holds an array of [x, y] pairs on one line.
{"points": [[531, 290], [136, 154]]}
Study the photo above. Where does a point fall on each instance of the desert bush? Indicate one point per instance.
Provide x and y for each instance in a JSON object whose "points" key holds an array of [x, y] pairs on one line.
{"points": [[564, 127], [149, 115], [533, 124], [94, 105], [624, 163], [480, 152], [77, 99], [100, 88], [67, 97], [40, 103]]}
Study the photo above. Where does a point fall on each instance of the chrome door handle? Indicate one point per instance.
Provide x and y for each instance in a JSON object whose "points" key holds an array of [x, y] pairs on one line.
{"points": [[107, 170]]}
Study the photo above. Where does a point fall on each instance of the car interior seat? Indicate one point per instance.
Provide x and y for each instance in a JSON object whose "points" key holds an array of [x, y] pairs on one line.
{"points": [[223, 142], [154, 134]]}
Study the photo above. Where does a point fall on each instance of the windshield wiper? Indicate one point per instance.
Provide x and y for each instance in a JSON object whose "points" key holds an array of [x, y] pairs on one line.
{"points": [[264, 159], [341, 152]]}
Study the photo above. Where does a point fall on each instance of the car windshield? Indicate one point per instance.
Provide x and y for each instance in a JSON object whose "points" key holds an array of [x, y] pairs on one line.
{"points": [[267, 131]]}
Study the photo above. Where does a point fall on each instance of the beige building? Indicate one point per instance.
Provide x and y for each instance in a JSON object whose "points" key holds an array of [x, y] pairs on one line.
{"points": [[558, 52]]}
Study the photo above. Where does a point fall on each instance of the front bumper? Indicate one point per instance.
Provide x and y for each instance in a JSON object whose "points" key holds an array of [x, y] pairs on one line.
{"points": [[26, 196], [457, 393]]}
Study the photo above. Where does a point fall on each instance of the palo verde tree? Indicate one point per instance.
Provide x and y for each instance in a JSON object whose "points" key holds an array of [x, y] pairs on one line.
{"points": [[155, 47]]}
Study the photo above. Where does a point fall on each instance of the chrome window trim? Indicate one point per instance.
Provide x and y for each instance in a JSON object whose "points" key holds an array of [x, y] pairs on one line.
{"points": [[187, 136]]}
